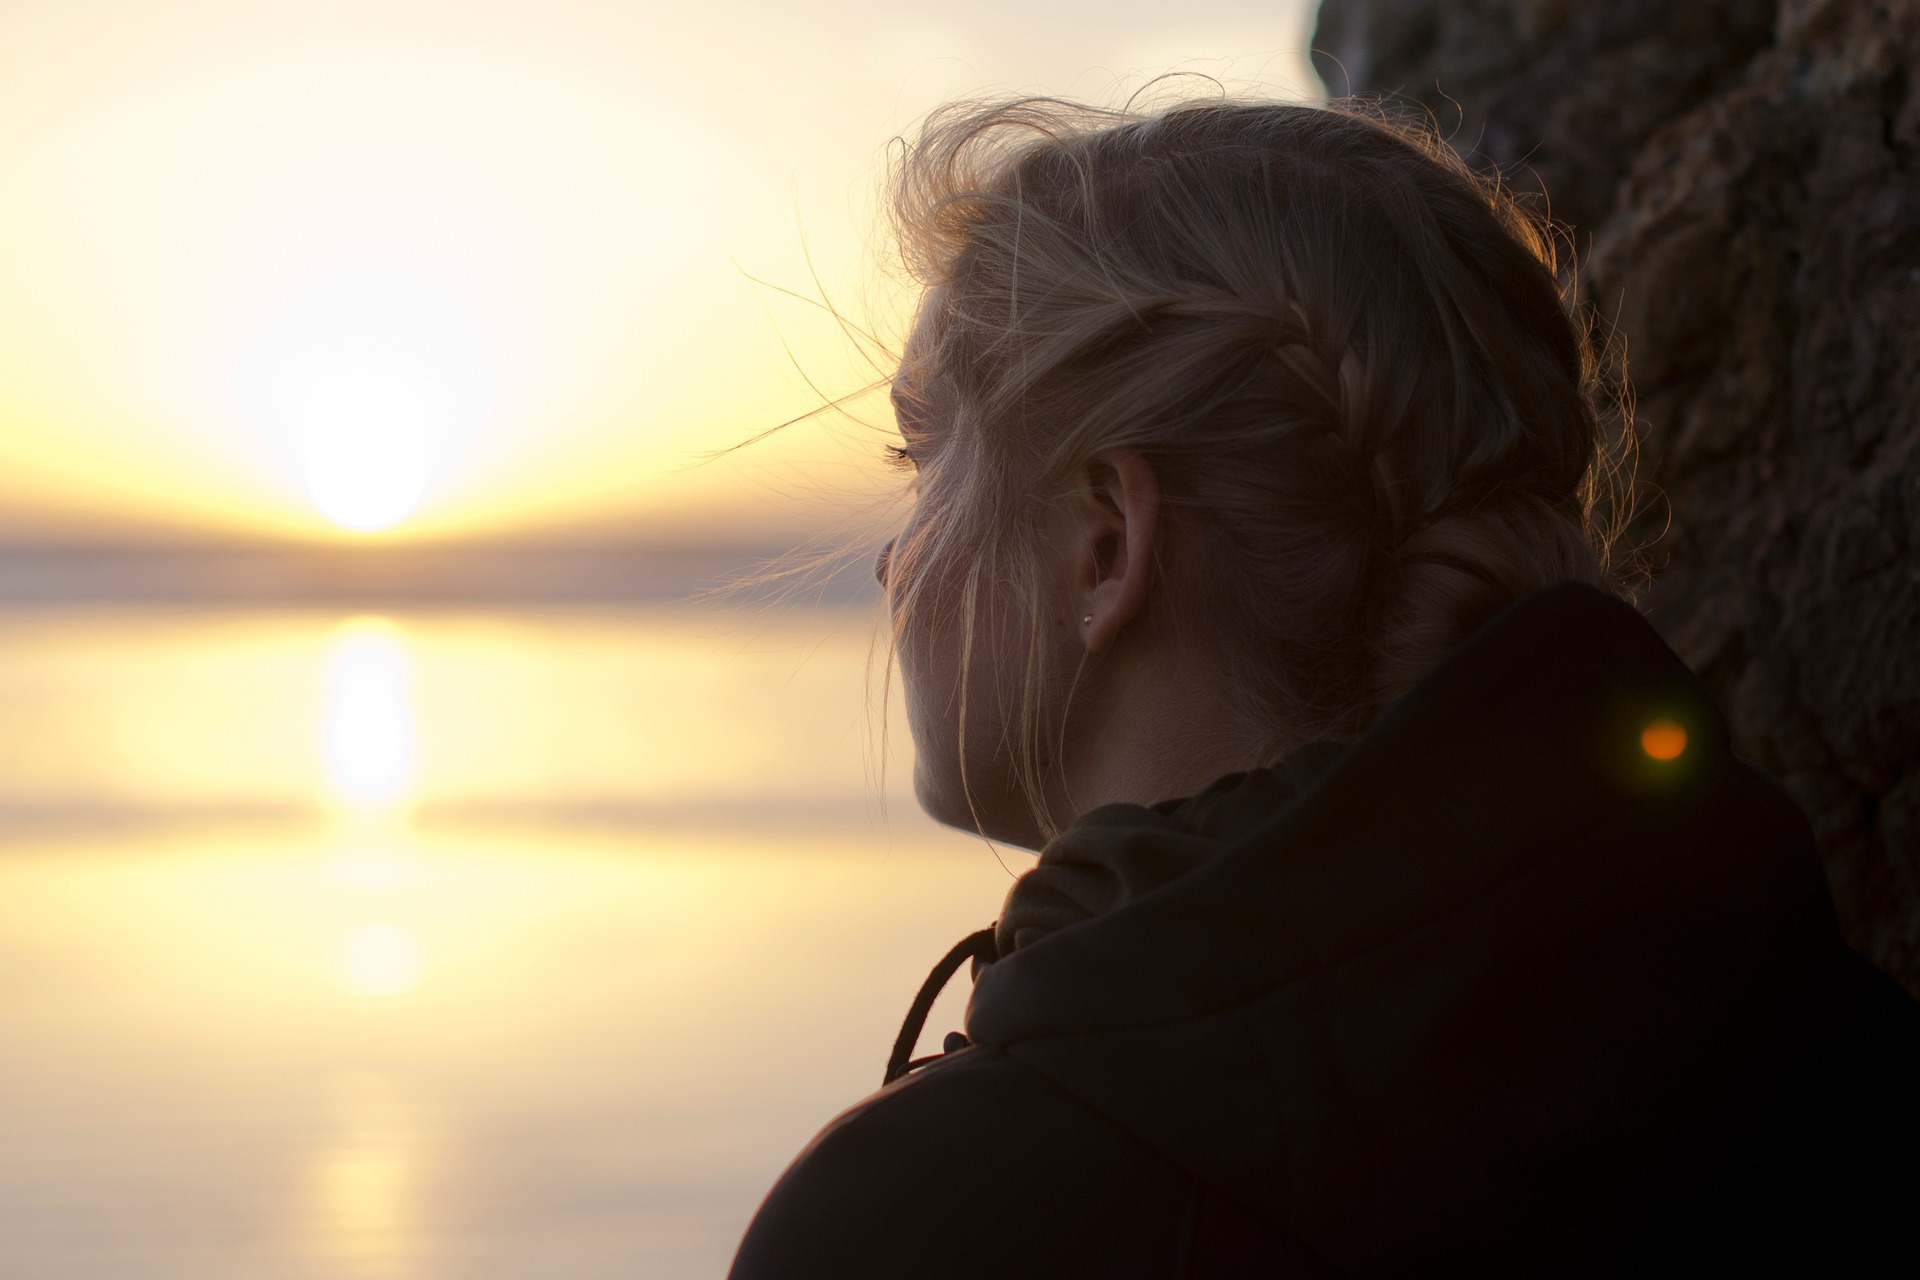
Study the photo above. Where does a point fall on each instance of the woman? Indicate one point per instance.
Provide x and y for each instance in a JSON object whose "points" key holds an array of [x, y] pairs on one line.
{"points": [[1400, 906]]}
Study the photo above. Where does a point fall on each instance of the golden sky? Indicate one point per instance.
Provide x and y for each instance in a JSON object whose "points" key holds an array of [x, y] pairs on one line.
{"points": [[286, 266]]}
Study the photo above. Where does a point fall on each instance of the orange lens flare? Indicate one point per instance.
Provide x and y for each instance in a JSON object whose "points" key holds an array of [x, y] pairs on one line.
{"points": [[1663, 740]]}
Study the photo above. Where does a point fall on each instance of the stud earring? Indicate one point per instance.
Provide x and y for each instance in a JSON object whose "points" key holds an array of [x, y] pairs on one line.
{"points": [[1087, 621]]}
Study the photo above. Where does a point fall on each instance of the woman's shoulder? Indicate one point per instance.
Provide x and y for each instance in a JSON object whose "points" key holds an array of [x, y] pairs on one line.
{"points": [[977, 1163]]}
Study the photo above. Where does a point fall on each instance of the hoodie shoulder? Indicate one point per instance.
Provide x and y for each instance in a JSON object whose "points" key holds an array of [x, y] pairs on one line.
{"points": [[977, 1165]]}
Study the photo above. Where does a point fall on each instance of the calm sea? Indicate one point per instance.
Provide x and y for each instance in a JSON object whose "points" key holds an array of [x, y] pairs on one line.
{"points": [[449, 945]]}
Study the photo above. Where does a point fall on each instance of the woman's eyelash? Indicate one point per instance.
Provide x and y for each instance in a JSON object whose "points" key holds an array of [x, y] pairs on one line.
{"points": [[900, 456]]}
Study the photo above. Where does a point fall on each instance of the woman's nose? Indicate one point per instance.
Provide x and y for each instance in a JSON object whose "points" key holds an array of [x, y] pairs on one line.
{"points": [[880, 563]]}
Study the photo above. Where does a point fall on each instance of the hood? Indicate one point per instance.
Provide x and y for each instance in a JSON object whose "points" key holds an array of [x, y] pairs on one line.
{"points": [[1431, 994], [1118, 852]]}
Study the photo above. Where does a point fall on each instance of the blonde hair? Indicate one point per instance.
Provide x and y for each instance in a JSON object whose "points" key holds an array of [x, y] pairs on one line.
{"points": [[1347, 358]]}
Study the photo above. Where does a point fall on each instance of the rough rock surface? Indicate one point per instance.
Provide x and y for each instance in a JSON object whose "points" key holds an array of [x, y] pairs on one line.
{"points": [[1743, 177]]}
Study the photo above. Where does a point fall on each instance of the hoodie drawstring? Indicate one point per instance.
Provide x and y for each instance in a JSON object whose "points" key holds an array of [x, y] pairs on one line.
{"points": [[975, 946]]}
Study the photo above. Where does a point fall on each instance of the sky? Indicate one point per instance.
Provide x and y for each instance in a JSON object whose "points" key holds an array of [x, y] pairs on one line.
{"points": [[415, 269]]}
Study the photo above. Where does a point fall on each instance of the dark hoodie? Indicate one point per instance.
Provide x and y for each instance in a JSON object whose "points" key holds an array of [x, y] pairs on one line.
{"points": [[1491, 991]]}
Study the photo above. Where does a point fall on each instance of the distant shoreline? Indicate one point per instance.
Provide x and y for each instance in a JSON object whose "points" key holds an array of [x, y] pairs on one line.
{"points": [[41, 576]]}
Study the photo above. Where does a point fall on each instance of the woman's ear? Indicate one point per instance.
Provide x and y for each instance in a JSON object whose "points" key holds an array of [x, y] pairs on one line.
{"points": [[1119, 523]]}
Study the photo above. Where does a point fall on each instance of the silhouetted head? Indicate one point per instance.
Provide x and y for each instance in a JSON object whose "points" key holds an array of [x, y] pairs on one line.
{"points": [[1335, 364]]}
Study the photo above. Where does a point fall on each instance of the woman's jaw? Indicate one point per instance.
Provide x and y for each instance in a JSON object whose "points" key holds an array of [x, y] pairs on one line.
{"points": [[1134, 701]]}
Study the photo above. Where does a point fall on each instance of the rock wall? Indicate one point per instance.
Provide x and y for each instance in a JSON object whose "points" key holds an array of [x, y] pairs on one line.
{"points": [[1742, 178]]}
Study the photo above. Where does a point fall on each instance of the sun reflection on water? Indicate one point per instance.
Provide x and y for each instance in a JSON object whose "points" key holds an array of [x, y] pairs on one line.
{"points": [[381, 960], [371, 865], [367, 734], [369, 749], [366, 1183]]}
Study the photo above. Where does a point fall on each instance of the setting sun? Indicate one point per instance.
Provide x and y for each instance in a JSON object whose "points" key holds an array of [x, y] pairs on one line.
{"points": [[362, 479], [373, 380]]}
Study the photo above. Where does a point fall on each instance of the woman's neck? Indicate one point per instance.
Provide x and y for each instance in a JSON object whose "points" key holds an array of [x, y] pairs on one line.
{"points": [[1159, 721]]}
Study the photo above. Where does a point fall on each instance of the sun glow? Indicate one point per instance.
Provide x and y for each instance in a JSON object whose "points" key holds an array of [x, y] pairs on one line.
{"points": [[328, 267]]}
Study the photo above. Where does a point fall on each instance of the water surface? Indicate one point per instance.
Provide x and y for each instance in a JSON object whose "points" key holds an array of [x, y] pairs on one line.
{"points": [[441, 945]]}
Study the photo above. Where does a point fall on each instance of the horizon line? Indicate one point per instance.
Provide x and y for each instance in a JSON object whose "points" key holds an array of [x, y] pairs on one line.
{"points": [[611, 573]]}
